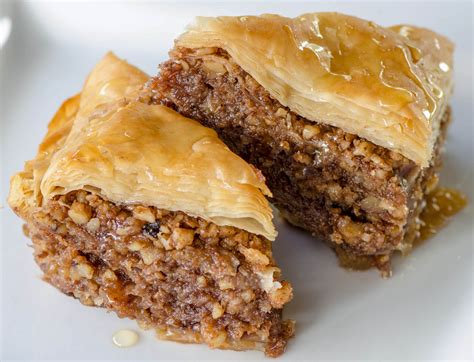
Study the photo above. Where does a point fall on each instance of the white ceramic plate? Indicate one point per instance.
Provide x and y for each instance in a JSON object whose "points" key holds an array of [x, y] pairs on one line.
{"points": [[423, 312]]}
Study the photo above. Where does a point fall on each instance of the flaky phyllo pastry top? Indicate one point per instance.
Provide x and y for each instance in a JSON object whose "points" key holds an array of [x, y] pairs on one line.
{"points": [[107, 142], [388, 85]]}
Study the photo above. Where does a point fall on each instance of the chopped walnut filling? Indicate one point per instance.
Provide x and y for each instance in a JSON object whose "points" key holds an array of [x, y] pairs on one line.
{"points": [[168, 270]]}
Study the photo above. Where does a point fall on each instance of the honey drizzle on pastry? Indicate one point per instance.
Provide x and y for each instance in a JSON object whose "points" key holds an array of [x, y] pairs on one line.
{"points": [[389, 85]]}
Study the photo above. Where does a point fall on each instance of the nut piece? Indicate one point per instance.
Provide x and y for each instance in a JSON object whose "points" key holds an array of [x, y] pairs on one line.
{"points": [[81, 196], [285, 145], [62, 229], [149, 255], [234, 305], [201, 281], [350, 230], [130, 226], [281, 296], [182, 237], [211, 333], [183, 64], [98, 301], [248, 295], [136, 245], [218, 340], [217, 311], [226, 284], [363, 148], [302, 158], [281, 112], [93, 225], [109, 275], [80, 213], [254, 256], [334, 191], [226, 231], [123, 231], [81, 269], [144, 213], [310, 131], [210, 231], [267, 283], [213, 68], [371, 204]]}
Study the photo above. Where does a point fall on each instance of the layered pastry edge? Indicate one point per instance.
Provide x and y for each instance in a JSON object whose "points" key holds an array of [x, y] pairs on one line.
{"points": [[389, 85], [97, 237]]}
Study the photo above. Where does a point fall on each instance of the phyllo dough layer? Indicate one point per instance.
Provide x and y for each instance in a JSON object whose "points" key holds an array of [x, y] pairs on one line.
{"points": [[387, 85]]}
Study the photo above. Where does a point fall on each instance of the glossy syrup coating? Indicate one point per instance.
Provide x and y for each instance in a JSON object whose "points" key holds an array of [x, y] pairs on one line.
{"points": [[388, 85], [128, 152]]}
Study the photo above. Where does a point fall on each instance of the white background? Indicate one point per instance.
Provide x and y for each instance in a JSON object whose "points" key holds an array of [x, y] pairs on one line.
{"points": [[423, 312]]}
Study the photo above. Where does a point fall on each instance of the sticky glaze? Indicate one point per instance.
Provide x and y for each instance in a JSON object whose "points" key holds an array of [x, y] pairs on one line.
{"points": [[388, 85]]}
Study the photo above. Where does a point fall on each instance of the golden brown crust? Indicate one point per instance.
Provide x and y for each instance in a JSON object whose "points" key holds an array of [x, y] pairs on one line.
{"points": [[131, 152], [388, 85]]}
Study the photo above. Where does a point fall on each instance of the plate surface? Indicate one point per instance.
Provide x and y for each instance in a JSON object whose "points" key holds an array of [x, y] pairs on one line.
{"points": [[423, 312]]}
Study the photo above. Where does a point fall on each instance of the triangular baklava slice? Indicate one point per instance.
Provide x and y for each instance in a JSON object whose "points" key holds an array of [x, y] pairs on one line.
{"points": [[137, 209]]}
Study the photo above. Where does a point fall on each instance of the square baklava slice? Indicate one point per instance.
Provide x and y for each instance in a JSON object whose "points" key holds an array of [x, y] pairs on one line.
{"points": [[137, 209], [346, 119]]}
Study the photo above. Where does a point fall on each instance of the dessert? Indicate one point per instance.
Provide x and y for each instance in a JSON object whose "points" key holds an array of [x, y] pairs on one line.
{"points": [[346, 119], [137, 209]]}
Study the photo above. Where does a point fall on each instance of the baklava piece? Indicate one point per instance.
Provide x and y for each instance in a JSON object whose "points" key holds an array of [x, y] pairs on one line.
{"points": [[137, 209], [345, 118]]}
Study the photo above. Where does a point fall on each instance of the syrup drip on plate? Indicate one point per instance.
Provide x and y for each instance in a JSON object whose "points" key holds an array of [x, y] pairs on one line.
{"points": [[441, 205], [125, 338]]}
